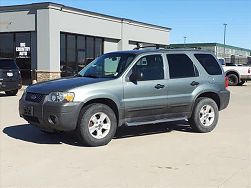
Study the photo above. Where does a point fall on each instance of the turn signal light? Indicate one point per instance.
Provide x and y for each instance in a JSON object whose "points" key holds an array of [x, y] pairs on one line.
{"points": [[249, 71]]}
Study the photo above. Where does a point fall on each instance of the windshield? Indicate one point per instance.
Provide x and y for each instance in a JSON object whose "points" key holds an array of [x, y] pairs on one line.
{"points": [[7, 64], [110, 65]]}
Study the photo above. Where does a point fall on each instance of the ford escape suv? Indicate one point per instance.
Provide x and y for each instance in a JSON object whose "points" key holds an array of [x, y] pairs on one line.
{"points": [[130, 88], [10, 77]]}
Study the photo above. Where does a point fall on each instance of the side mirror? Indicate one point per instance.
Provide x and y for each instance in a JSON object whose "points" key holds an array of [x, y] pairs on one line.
{"points": [[136, 76]]}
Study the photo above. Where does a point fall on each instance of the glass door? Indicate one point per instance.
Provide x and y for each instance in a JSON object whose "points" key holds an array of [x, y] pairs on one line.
{"points": [[23, 55]]}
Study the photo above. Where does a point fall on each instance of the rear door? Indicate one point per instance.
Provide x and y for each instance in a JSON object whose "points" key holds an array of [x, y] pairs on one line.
{"points": [[183, 80], [146, 99]]}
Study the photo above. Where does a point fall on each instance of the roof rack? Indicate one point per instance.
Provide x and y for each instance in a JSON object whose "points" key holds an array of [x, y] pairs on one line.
{"points": [[142, 47]]}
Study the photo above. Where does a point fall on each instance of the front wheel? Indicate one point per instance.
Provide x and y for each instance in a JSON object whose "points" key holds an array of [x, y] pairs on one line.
{"points": [[205, 115], [12, 92], [97, 125]]}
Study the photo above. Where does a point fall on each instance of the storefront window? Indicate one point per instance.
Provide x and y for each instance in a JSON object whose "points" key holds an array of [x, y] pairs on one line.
{"points": [[80, 52], [62, 52], [98, 47], [76, 51], [7, 45], [89, 47]]}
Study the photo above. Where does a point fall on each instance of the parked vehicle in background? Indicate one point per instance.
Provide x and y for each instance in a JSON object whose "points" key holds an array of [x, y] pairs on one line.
{"points": [[237, 74], [10, 76], [130, 88]]}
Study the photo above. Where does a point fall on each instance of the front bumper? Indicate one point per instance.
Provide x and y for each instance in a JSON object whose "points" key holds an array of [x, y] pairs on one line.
{"points": [[50, 115], [224, 99]]}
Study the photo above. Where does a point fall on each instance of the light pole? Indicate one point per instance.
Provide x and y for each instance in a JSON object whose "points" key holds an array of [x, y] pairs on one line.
{"points": [[185, 41], [225, 28]]}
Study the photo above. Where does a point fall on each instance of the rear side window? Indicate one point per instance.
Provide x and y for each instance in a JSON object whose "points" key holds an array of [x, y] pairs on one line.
{"points": [[209, 63], [7, 64], [180, 66]]}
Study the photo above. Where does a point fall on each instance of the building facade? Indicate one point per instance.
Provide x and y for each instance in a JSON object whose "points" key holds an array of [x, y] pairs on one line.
{"points": [[230, 54], [50, 40]]}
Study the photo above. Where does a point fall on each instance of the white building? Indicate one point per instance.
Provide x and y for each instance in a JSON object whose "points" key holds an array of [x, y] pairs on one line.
{"points": [[50, 40]]}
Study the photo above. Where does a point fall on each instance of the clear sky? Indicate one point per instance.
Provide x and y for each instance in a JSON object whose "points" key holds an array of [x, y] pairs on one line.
{"points": [[198, 20]]}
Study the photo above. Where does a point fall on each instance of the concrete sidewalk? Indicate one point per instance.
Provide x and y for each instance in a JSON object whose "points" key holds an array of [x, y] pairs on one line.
{"points": [[167, 155]]}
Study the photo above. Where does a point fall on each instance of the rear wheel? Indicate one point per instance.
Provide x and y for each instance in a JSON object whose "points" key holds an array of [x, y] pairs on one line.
{"points": [[241, 83], [12, 92], [97, 125], [205, 115], [233, 79]]}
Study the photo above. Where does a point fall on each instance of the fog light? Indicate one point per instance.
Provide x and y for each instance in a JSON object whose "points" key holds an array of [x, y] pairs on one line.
{"points": [[53, 119]]}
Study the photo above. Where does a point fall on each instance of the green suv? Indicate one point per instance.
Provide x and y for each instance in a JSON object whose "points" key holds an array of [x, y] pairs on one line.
{"points": [[130, 88]]}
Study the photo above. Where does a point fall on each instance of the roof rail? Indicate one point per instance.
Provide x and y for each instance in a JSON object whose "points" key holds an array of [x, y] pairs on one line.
{"points": [[142, 47]]}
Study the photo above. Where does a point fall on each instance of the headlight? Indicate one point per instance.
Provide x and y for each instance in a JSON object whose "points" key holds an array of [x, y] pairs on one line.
{"points": [[24, 93], [61, 97]]}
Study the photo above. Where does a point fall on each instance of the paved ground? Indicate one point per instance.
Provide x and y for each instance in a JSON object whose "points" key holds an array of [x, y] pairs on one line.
{"points": [[166, 155]]}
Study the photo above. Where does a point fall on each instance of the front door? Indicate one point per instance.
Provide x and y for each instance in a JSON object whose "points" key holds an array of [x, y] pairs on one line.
{"points": [[146, 98]]}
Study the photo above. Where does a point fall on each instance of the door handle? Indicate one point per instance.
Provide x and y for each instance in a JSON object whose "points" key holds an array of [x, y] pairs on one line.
{"points": [[193, 83], [159, 86]]}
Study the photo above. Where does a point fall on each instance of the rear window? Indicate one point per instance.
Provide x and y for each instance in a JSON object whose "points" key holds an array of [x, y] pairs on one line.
{"points": [[209, 63], [7, 64]]}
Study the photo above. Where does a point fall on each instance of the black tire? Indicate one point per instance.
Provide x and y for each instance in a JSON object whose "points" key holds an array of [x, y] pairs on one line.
{"points": [[241, 83], [233, 79], [12, 92], [195, 121], [85, 120]]}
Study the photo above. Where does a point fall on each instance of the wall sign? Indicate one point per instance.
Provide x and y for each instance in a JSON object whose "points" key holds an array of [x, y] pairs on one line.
{"points": [[23, 50]]}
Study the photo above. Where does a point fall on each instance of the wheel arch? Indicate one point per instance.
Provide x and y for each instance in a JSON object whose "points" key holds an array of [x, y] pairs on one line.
{"points": [[107, 101], [212, 95], [233, 72]]}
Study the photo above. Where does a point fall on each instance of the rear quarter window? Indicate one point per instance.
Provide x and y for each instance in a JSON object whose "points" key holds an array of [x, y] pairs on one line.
{"points": [[209, 63]]}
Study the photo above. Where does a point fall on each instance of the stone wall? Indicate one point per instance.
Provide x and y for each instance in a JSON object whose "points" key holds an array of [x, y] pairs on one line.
{"points": [[46, 75]]}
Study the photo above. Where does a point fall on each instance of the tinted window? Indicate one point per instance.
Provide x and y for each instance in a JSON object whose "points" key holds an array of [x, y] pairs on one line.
{"points": [[150, 67], [7, 64], [98, 46], [209, 63], [89, 47], [80, 52], [62, 52], [180, 66], [71, 54], [7, 45]]}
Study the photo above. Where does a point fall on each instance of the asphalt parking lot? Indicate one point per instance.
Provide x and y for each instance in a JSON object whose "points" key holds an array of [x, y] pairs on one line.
{"points": [[166, 155]]}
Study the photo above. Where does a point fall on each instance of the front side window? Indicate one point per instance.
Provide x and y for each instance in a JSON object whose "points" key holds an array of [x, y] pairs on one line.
{"points": [[110, 65], [150, 67], [209, 63], [180, 66]]}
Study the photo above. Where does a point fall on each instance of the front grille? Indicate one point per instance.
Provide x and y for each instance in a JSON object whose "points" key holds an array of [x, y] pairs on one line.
{"points": [[34, 97]]}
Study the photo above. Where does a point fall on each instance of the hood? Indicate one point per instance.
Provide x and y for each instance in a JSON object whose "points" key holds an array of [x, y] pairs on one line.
{"points": [[62, 84]]}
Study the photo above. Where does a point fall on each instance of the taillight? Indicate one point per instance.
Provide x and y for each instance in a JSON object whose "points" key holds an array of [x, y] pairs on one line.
{"points": [[249, 70], [226, 82]]}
